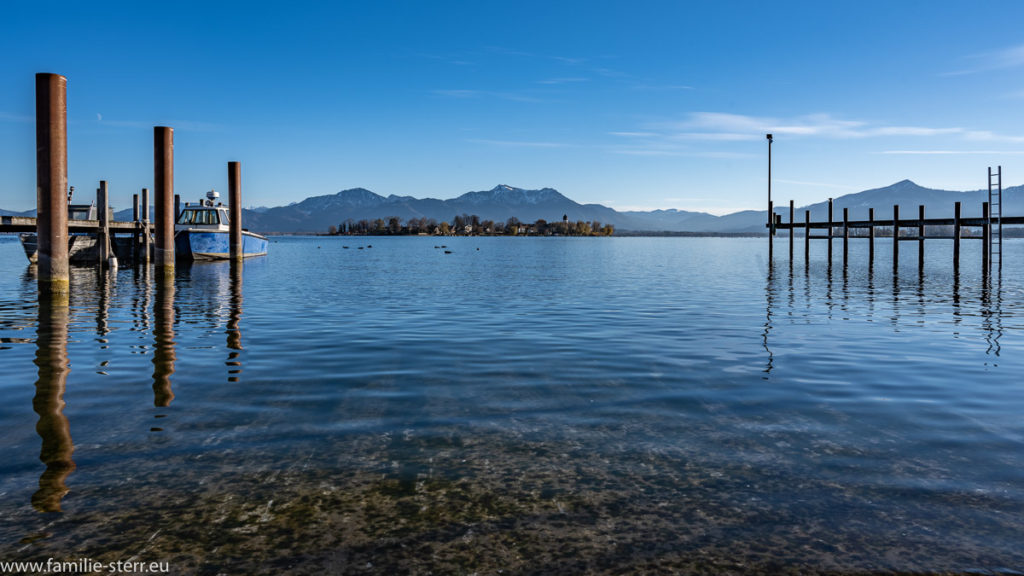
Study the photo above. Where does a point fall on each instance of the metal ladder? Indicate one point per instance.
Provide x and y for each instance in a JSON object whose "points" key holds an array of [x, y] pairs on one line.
{"points": [[995, 215]]}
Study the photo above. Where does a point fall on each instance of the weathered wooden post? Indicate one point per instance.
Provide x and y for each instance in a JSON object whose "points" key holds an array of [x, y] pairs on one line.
{"points": [[235, 209], [52, 184], [163, 182], [103, 236], [986, 239], [920, 237], [871, 236], [846, 235], [790, 231], [830, 224], [895, 236], [135, 231], [807, 236], [956, 237], [147, 237]]}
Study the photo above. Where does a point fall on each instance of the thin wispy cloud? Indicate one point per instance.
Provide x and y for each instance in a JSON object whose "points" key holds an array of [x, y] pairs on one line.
{"points": [[955, 152], [724, 127], [1012, 57]]}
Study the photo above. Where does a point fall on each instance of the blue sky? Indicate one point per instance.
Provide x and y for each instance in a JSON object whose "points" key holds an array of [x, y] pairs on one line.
{"points": [[635, 105]]}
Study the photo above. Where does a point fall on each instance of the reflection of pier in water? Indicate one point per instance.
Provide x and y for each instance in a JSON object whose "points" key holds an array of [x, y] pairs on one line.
{"points": [[989, 301]]}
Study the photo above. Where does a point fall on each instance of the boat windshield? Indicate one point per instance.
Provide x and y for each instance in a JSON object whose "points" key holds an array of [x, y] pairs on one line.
{"points": [[196, 217]]}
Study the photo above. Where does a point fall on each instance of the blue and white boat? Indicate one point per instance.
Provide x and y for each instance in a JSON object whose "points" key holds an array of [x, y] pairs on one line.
{"points": [[202, 232]]}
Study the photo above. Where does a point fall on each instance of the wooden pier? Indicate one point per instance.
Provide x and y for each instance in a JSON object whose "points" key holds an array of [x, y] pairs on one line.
{"points": [[900, 229]]}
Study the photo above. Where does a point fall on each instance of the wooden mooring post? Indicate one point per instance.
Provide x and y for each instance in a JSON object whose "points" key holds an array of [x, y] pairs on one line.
{"points": [[103, 236], [846, 236], [956, 238], [147, 237], [791, 231], [895, 237]]}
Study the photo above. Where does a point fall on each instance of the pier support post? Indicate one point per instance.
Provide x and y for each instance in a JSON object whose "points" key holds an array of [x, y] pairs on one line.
{"points": [[871, 236], [920, 237], [956, 237], [895, 237], [791, 231], [807, 236], [135, 233], [830, 224], [147, 237], [235, 208], [52, 183], [846, 235], [103, 236], [163, 182], [986, 239]]}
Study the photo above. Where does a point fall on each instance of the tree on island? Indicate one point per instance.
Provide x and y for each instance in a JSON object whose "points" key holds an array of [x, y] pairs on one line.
{"points": [[470, 225]]}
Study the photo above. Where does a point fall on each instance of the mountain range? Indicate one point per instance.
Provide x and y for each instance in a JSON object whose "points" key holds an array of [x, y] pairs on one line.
{"points": [[317, 213]]}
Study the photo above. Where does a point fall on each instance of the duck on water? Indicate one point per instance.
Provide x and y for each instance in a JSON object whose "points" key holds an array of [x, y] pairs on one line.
{"points": [[202, 232]]}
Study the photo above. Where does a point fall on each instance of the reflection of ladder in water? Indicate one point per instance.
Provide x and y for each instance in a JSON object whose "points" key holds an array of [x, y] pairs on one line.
{"points": [[995, 215]]}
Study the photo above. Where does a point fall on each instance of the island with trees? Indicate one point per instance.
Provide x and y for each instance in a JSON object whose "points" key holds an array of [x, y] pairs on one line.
{"points": [[469, 225]]}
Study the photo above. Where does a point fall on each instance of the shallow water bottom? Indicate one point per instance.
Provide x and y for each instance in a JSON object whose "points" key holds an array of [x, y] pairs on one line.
{"points": [[520, 501]]}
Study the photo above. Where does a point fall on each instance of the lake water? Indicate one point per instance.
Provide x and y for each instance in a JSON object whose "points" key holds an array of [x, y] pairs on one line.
{"points": [[519, 405]]}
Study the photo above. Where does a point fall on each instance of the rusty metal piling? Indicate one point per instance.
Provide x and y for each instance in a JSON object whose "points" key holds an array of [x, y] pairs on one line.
{"points": [[52, 183], [163, 183], [235, 208]]}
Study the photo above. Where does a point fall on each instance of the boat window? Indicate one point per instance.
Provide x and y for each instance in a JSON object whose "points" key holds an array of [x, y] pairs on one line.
{"points": [[199, 217]]}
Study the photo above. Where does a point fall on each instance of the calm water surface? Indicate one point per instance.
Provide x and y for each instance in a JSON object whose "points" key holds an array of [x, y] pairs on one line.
{"points": [[519, 405]]}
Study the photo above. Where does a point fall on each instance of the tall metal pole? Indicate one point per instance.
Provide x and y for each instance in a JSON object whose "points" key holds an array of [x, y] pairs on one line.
{"points": [[52, 183], [235, 209], [163, 184]]}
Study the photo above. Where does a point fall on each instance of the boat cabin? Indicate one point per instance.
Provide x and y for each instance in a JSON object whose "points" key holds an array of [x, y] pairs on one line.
{"points": [[207, 215], [82, 212]]}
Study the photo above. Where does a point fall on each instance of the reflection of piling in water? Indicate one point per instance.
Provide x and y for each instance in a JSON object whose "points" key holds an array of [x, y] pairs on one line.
{"points": [[48, 403], [163, 333], [52, 183], [234, 333]]}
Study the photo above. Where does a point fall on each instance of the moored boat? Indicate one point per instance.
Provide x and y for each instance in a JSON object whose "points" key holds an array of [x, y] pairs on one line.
{"points": [[203, 232], [81, 245]]}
